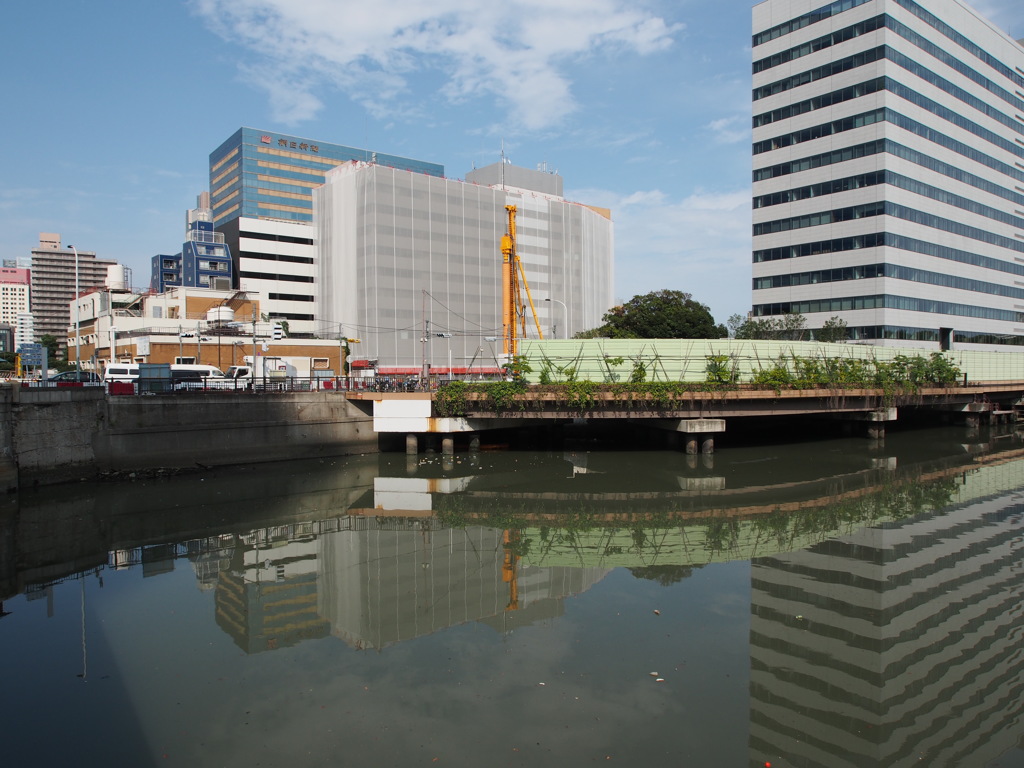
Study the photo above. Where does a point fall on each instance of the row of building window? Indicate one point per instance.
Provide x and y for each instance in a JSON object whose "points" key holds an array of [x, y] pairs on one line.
{"points": [[264, 204], [276, 257], [975, 50], [954, 63], [223, 160], [834, 186], [823, 72], [849, 93], [890, 240], [959, 93], [830, 187], [832, 9], [819, 14], [872, 86], [905, 333], [289, 297], [270, 276], [865, 57], [886, 145], [886, 301], [822, 160], [820, 43], [223, 174], [277, 238], [279, 182], [290, 171], [820, 131], [895, 271], [887, 209]]}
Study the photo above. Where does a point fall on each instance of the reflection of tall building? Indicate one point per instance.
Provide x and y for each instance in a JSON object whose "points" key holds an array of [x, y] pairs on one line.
{"points": [[385, 584], [267, 599], [894, 644], [376, 582]]}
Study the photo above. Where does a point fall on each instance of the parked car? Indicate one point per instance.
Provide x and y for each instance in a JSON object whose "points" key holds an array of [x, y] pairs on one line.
{"points": [[85, 377]]}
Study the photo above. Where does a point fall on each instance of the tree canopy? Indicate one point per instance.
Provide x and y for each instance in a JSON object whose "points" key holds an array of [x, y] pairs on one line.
{"points": [[661, 314], [788, 327]]}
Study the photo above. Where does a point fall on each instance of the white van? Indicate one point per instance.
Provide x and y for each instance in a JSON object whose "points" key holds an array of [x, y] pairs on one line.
{"points": [[185, 376], [121, 372], [197, 371]]}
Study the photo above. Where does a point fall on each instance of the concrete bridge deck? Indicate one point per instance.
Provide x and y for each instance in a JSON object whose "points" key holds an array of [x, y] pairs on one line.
{"points": [[698, 415]]}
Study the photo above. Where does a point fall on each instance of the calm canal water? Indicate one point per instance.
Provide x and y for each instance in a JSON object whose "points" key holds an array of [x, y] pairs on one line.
{"points": [[836, 603]]}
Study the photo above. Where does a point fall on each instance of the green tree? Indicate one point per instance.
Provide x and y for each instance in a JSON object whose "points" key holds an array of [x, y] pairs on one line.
{"points": [[834, 329], [735, 322], [788, 327], [49, 341], [661, 314]]}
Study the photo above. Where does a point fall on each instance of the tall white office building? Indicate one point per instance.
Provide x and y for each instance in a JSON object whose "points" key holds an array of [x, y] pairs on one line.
{"points": [[888, 147], [397, 250]]}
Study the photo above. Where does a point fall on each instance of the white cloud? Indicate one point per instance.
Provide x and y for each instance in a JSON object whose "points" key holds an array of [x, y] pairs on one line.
{"points": [[516, 52], [730, 130], [700, 244]]}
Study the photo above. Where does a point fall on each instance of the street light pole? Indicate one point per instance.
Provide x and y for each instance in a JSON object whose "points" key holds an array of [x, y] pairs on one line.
{"points": [[78, 319], [565, 312]]}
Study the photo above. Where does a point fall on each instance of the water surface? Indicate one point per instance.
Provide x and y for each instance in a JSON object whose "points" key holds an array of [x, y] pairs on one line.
{"points": [[836, 603]]}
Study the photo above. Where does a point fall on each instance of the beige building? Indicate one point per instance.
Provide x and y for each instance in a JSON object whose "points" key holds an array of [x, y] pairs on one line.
{"points": [[185, 324], [55, 273]]}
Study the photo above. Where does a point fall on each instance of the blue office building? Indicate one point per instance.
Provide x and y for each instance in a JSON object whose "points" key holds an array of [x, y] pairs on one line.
{"points": [[266, 175], [204, 261]]}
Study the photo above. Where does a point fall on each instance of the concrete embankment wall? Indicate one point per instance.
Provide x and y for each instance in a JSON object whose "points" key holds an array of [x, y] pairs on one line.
{"points": [[54, 435]]}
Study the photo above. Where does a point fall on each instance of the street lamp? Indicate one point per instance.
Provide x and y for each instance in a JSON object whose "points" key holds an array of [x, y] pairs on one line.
{"points": [[554, 326], [78, 318]]}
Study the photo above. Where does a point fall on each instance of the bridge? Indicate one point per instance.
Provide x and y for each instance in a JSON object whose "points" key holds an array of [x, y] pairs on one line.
{"points": [[696, 416]]}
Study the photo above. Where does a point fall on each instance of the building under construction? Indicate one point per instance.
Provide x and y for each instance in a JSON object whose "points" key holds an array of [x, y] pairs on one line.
{"points": [[412, 263]]}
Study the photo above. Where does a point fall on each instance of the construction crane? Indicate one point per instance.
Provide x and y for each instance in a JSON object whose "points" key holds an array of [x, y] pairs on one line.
{"points": [[513, 283], [510, 568]]}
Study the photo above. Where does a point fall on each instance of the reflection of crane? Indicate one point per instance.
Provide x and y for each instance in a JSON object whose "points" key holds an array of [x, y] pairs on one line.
{"points": [[513, 310], [510, 568]]}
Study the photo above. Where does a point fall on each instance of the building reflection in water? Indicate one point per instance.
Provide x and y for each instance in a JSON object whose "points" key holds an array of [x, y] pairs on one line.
{"points": [[377, 581], [885, 590], [899, 644]]}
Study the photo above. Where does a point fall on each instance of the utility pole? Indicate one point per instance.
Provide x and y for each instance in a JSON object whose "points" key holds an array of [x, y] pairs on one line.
{"points": [[425, 366]]}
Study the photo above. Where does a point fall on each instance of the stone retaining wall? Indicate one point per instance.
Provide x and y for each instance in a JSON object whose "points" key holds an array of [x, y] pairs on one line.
{"points": [[53, 435]]}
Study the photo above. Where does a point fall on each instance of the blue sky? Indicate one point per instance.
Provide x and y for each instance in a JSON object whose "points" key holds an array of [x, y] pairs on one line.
{"points": [[111, 109]]}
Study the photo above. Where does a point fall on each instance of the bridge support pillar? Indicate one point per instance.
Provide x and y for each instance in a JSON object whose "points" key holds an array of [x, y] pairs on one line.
{"points": [[474, 443], [696, 434], [875, 421], [412, 444], [448, 445]]}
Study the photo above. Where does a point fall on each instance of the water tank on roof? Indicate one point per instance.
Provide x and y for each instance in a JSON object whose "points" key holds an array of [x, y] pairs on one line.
{"points": [[220, 315], [117, 277]]}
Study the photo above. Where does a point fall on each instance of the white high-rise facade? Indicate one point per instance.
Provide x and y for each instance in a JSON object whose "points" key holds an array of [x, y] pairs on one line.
{"points": [[397, 250], [888, 149]]}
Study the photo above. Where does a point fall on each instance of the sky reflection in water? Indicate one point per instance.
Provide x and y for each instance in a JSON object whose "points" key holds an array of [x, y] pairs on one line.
{"points": [[836, 603]]}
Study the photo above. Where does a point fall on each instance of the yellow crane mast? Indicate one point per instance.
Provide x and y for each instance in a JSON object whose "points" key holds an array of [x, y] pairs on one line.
{"points": [[513, 282]]}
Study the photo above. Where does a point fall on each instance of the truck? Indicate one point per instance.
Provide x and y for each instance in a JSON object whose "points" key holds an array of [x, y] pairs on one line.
{"points": [[279, 372]]}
